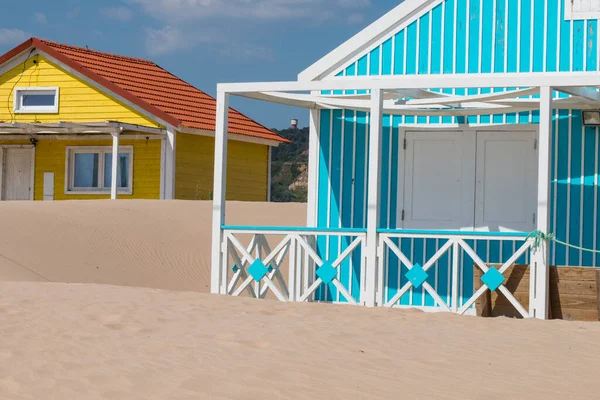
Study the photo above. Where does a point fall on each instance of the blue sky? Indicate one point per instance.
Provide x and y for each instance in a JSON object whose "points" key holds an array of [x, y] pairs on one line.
{"points": [[202, 41]]}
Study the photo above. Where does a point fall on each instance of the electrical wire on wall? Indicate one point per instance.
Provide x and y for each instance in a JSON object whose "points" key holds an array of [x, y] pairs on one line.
{"points": [[12, 115]]}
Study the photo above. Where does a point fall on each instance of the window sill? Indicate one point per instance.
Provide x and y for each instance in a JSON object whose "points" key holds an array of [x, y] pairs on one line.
{"points": [[37, 111], [97, 192]]}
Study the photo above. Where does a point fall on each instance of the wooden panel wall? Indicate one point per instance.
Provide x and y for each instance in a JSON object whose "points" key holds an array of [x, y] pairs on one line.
{"points": [[574, 293], [247, 169]]}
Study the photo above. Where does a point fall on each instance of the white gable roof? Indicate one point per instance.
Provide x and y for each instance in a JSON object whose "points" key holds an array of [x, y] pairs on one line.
{"points": [[402, 14]]}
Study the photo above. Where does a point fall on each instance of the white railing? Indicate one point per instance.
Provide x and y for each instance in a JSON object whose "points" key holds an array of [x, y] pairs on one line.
{"points": [[299, 264], [257, 268], [453, 243]]}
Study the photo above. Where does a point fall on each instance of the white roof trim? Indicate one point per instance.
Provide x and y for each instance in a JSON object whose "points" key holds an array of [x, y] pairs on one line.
{"points": [[404, 13]]}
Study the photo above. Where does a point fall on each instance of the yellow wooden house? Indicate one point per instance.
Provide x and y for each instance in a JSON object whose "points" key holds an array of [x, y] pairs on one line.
{"points": [[81, 124]]}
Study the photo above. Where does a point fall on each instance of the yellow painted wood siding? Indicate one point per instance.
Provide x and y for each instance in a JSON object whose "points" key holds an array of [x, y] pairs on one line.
{"points": [[247, 169], [51, 155], [78, 102]]}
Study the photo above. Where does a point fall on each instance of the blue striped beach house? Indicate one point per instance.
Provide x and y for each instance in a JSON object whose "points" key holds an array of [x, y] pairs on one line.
{"points": [[441, 137]]}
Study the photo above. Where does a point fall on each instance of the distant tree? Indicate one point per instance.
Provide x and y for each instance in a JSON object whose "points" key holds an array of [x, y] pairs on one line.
{"points": [[287, 163]]}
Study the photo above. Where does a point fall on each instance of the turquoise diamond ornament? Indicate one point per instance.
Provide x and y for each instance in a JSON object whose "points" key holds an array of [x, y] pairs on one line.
{"points": [[417, 276], [327, 272], [493, 279], [258, 270]]}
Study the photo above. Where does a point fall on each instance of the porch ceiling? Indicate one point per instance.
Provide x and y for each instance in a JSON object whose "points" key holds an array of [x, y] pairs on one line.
{"points": [[409, 95], [421, 102]]}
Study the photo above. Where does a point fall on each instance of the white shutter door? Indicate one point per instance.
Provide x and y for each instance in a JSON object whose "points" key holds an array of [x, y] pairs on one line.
{"points": [[438, 180], [506, 187], [17, 174]]}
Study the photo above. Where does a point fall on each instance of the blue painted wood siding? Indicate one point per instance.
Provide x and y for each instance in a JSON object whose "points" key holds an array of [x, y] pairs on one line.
{"points": [[469, 36]]}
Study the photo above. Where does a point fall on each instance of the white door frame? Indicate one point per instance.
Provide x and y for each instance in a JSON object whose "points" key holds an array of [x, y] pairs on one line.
{"points": [[3, 148], [402, 129]]}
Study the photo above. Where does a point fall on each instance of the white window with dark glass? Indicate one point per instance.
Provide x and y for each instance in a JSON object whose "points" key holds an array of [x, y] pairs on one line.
{"points": [[36, 100], [89, 170]]}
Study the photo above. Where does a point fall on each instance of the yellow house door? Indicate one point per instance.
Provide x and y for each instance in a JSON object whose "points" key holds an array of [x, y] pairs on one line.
{"points": [[17, 174]]}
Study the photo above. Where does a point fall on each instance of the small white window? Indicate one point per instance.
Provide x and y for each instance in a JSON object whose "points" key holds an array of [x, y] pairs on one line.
{"points": [[36, 100], [582, 9], [89, 170]]}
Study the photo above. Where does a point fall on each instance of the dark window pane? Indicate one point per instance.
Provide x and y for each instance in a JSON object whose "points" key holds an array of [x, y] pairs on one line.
{"points": [[122, 172], [86, 170], [38, 100]]}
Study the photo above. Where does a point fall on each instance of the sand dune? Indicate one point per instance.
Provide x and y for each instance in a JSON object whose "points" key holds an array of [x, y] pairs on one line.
{"points": [[89, 341], [78, 341], [164, 245]]}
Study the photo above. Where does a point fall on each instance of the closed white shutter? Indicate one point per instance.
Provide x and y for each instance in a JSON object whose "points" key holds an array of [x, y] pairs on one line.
{"points": [[439, 176], [582, 9], [506, 187], [467, 180]]}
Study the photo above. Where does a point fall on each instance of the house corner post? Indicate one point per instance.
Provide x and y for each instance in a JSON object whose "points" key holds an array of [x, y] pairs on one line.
{"points": [[374, 191], [219, 194], [312, 215], [170, 148], [314, 150], [540, 257], [114, 173]]}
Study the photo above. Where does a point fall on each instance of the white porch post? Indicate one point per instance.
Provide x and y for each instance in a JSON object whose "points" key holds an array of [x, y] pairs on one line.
{"points": [[115, 165], [170, 146], [219, 193], [314, 151], [540, 255], [375, 134]]}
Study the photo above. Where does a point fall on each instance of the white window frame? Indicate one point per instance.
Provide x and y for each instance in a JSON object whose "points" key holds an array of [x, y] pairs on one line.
{"points": [[572, 13], [19, 108], [101, 150]]}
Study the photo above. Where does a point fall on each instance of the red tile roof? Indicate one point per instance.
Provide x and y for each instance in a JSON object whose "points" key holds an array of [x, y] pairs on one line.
{"points": [[149, 87]]}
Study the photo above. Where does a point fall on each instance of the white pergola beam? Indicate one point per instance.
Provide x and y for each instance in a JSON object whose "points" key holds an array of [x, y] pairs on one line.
{"points": [[497, 103], [450, 81], [476, 98], [581, 92]]}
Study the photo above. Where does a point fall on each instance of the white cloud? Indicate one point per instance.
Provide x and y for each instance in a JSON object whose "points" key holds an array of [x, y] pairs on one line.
{"points": [[40, 18], [177, 10], [12, 36], [117, 13], [172, 40]]}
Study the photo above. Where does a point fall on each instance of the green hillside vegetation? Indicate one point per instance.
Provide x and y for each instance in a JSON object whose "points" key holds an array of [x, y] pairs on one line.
{"points": [[289, 167]]}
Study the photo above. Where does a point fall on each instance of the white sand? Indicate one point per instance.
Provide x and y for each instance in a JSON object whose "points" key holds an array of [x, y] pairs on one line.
{"points": [[87, 341], [101, 342]]}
